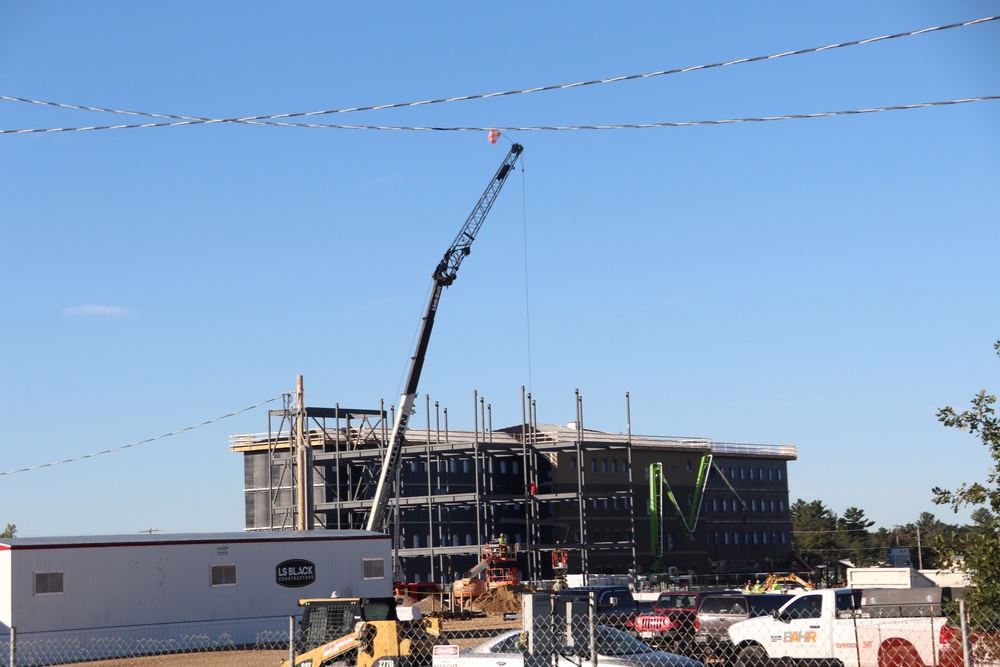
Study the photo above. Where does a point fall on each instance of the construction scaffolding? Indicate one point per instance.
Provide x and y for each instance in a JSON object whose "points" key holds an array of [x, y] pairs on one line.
{"points": [[551, 487]]}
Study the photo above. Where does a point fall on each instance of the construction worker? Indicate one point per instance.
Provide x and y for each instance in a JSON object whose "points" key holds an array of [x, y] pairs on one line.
{"points": [[503, 540]]}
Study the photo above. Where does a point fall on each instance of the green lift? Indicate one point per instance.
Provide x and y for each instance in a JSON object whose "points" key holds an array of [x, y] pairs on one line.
{"points": [[658, 487]]}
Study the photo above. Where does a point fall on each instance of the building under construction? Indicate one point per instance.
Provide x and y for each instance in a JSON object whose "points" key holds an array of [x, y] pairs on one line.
{"points": [[614, 502]]}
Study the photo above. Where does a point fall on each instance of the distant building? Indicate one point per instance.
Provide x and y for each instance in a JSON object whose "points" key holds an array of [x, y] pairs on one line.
{"points": [[545, 486]]}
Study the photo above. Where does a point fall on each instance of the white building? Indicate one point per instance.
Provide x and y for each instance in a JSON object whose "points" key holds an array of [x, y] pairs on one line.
{"points": [[101, 596]]}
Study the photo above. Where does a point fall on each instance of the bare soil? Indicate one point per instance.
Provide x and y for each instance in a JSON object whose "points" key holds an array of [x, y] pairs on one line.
{"points": [[206, 659], [469, 632]]}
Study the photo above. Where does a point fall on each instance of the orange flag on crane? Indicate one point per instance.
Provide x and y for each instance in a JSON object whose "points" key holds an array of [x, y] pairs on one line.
{"points": [[494, 135]]}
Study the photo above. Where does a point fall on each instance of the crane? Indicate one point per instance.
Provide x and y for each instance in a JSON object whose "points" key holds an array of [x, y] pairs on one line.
{"points": [[444, 275]]}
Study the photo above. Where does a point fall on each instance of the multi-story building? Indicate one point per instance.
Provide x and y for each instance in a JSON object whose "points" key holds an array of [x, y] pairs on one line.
{"points": [[545, 486]]}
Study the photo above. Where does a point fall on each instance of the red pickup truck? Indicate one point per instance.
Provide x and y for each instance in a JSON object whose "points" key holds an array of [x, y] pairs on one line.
{"points": [[671, 622]]}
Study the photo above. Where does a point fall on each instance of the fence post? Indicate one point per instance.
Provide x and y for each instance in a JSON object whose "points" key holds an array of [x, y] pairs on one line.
{"points": [[966, 644], [291, 641], [592, 621], [13, 645]]}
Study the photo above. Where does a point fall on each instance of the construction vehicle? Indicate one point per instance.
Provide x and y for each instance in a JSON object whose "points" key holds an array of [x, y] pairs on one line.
{"points": [[498, 560], [783, 582], [364, 632], [444, 275], [658, 484]]}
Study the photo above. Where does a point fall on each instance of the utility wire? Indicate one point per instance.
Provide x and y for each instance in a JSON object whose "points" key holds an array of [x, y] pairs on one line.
{"points": [[193, 120], [535, 128], [142, 442]]}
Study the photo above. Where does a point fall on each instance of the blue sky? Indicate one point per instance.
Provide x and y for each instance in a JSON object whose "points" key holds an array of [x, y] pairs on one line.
{"points": [[825, 283]]}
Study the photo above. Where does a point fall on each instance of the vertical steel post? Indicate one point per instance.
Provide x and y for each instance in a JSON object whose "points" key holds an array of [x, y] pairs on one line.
{"points": [[527, 487], [300, 457], [533, 462], [580, 479], [430, 490], [291, 640], [631, 486], [475, 465]]}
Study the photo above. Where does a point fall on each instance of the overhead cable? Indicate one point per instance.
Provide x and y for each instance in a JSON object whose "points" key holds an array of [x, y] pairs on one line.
{"points": [[194, 120], [142, 442], [533, 128]]}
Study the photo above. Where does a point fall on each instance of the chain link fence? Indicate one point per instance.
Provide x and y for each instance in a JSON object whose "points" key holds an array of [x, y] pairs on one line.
{"points": [[556, 631]]}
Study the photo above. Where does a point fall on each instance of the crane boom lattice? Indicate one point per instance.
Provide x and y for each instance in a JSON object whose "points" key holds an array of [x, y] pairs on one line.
{"points": [[444, 275]]}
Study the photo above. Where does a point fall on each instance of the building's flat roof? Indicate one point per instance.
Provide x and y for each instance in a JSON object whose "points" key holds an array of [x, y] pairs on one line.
{"points": [[545, 437], [149, 539]]}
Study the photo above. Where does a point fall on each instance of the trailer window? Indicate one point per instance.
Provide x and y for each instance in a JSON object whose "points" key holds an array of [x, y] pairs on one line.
{"points": [[372, 568], [48, 583], [223, 575]]}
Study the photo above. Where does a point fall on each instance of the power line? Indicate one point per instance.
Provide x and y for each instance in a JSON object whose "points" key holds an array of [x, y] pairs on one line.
{"points": [[253, 120], [141, 442], [535, 128]]}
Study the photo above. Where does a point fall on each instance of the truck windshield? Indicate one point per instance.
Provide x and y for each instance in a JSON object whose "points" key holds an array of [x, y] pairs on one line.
{"points": [[676, 602]]}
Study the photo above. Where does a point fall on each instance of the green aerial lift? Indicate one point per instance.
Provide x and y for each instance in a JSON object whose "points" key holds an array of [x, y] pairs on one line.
{"points": [[657, 484]]}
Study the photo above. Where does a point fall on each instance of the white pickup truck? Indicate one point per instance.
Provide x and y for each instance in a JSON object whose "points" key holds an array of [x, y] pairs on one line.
{"points": [[846, 627]]}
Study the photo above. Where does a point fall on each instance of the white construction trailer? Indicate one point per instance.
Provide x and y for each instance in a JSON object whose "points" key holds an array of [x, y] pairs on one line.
{"points": [[107, 596]]}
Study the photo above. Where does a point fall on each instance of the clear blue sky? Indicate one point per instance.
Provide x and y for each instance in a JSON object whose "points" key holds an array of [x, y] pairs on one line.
{"points": [[824, 283]]}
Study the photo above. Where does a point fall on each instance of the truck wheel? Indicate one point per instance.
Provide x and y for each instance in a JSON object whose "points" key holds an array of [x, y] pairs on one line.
{"points": [[752, 656]]}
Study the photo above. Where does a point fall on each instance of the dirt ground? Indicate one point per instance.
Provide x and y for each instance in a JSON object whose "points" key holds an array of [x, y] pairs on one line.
{"points": [[478, 628], [216, 658], [465, 633], [207, 659]]}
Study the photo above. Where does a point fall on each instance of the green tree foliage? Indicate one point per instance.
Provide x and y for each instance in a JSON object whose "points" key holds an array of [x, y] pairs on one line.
{"points": [[854, 520], [10, 532], [855, 539], [813, 530], [931, 542], [982, 556], [823, 537], [983, 520]]}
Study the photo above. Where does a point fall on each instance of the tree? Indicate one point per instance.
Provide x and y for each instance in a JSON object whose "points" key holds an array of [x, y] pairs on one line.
{"points": [[854, 520], [983, 520], [10, 532], [982, 557], [855, 539], [814, 528]]}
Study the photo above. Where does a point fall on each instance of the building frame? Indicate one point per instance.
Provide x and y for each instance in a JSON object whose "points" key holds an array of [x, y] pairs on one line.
{"points": [[547, 486]]}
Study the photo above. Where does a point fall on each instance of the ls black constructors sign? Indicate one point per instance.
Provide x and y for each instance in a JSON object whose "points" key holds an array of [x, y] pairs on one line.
{"points": [[295, 573]]}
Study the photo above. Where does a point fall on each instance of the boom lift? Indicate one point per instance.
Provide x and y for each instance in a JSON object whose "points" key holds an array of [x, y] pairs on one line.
{"points": [[444, 275], [657, 482]]}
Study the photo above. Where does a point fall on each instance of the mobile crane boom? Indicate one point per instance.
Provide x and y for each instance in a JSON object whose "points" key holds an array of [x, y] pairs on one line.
{"points": [[444, 275]]}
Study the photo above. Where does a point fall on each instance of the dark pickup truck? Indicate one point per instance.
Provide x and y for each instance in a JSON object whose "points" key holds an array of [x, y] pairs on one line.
{"points": [[717, 612], [615, 605]]}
